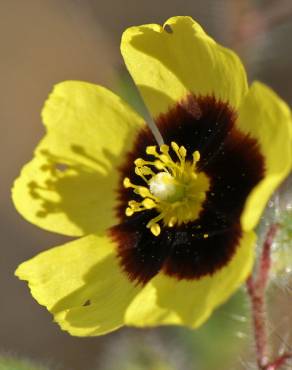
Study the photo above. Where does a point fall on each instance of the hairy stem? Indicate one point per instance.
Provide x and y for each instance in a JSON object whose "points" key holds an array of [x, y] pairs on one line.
{"points": [[256, 289], [259, 323]]}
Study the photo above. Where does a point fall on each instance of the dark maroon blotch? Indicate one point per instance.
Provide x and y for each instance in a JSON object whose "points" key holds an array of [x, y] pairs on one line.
{"points": [[234, 165]]}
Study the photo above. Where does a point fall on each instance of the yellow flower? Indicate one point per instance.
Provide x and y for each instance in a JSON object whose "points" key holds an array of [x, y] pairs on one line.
{"points": [[167, 227]]}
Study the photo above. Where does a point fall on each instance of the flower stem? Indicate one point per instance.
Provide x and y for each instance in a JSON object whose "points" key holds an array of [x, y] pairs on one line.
{"points": [[256, 289]]}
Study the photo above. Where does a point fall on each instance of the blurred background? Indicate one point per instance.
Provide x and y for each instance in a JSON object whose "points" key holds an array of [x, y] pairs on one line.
{"points": [[44, 42]]}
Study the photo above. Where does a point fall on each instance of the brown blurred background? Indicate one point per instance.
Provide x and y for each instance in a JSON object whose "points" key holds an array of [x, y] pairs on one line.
{"points": [[44, 42]]}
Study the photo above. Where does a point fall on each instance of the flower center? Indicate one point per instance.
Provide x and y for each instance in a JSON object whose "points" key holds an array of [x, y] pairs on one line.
{"points": [[166, 188], [173, 187]]}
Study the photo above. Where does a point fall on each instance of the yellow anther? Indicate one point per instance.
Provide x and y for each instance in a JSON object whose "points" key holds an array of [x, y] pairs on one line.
{"points": [[149, 203], [138, 171], [133, 204], [144, 192], [129, 211], [127, 182], [205, 236], [174, 146], [147, 171], [164, 148], [159, 165], [183, 151], [151, 150], [196, 156], [155, 229], [139, 162], [172, 221], [164, 158]]}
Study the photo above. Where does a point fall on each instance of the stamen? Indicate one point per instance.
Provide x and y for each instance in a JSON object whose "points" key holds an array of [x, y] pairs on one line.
{"points": [[182, 152], [139, 162], [140, 173], [165, 158], [172, 221], [129, 212], [159, 165], [127, 183], [152, 151], [147, 171], [164, 148], [174, 188], [133, 203], [152, 223], [149, 203], [174, 146], [196, 156], [155, 229], [144, 192]]}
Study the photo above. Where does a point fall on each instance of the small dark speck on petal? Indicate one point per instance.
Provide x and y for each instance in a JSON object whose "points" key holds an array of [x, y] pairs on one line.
{"points": [[168, 29], [61, 166]]}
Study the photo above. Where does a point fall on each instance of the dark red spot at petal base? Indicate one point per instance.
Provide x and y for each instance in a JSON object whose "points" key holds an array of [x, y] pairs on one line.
{"points": [[233, 163], [141, 254]]}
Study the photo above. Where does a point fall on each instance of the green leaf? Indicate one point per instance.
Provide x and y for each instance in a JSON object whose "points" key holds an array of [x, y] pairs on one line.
{"points": [[10, 363]]}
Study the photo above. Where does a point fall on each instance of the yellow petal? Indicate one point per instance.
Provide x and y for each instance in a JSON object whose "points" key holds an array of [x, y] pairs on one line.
{"points": [[168, 65], [265, 117], [166, 301], [69, 185], [81, 284]]}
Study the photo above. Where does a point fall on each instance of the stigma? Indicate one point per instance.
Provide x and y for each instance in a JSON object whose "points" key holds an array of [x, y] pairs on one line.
{"points": [[165, 187], [173, 186]]}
